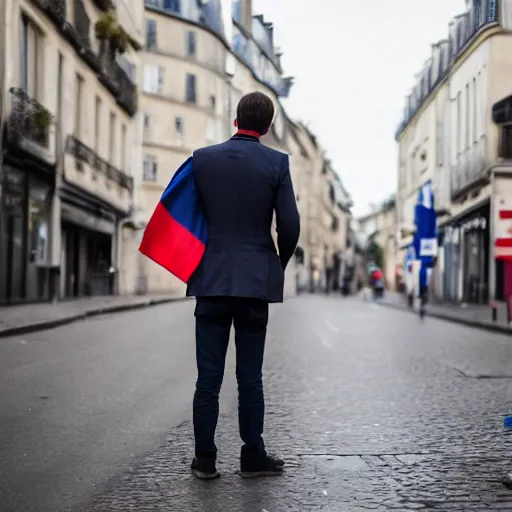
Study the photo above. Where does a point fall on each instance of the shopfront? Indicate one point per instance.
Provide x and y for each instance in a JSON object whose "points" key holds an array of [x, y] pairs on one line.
{"points": [[87, 248], [466, 257], [25, 207]]}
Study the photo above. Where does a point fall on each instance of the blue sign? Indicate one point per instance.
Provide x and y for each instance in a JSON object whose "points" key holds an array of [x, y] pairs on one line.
{"points": [[425, 237]]}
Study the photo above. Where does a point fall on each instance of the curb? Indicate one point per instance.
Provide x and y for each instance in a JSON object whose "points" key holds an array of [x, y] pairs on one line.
{"points": [[47, 325], [502, 329]]}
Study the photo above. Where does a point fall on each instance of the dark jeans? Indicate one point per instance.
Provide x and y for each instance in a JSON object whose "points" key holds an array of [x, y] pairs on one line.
{"points": [[214, 317]]}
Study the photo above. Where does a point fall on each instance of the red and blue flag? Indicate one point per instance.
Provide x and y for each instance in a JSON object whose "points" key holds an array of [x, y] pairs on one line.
{"points": [[176, 234]]}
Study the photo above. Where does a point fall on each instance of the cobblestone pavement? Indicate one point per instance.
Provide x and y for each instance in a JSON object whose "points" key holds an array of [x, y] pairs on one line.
{"points": [[371, 408]]}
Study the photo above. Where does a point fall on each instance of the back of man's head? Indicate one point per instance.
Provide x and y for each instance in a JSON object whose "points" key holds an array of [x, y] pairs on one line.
{"points": [[255, 113]]}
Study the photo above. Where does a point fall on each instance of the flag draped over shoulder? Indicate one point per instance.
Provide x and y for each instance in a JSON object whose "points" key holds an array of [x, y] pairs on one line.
{"points": [[176, 234]]}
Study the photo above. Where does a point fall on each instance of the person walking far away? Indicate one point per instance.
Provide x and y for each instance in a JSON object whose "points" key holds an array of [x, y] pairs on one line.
{"points": [[240, 183]]}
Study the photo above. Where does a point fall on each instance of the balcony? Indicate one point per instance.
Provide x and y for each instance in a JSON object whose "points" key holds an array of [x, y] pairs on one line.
{"points": [[55, 9], [84, 154], [470, 169], [116, 80], [29, 120], [104, 5]]}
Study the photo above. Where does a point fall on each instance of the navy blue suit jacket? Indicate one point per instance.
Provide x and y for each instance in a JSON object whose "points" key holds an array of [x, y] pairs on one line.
{"points": [[241, 183]]}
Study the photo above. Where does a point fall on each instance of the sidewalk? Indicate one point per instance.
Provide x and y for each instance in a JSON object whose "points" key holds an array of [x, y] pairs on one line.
{"points": [[36, 317], [470, 314]]}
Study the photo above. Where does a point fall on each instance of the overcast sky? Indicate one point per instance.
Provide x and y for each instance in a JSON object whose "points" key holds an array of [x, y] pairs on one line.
{"points": [[354, 61]]}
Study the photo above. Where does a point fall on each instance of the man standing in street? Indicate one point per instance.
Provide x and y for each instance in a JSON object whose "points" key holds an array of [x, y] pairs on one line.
{"points": [[241, 183]]}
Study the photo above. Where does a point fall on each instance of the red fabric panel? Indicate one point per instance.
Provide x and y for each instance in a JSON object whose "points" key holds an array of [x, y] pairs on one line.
{"points": [[171, 245]]}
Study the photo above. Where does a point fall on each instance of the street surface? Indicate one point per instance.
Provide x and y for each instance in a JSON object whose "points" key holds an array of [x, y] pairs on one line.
{"points": [[371, 408]]}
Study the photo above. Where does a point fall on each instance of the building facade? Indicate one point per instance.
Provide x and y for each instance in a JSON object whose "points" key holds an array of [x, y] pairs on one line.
{"points": [[467, 75], [70, 99]]}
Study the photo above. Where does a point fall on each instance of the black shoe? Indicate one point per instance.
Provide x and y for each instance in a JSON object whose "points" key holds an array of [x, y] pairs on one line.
{"points": [[260, 464], [204, 469]]}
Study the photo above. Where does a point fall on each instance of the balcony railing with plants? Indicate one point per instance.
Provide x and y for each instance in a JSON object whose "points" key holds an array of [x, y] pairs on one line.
{"points": [[85, 154], [115, 40], [28, 120]]}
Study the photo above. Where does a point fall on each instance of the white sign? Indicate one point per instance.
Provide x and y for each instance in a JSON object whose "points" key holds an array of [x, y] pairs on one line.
{"points": [[428, 247]]}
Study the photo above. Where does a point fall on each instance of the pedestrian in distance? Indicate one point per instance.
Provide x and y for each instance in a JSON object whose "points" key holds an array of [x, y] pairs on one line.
{"points": [[241, 183]]}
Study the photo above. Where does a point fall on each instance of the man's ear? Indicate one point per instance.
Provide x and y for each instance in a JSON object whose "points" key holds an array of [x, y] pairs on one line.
{"points": [[235, 123]]}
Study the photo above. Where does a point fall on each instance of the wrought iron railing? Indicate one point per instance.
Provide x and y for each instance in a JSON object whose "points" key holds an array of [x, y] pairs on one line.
{"points": [[115, 78], [56, 9], [28, 119], [85, 154], [104, 5]]}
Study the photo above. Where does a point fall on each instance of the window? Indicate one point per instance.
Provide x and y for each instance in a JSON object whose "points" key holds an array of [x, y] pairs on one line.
{"points": [[179, 124], [123, 147], [79, 87], [30, 52], [506, 142], [491, 11], [459, 123], [475, 110], [154, 79], [97, 125], [467, 120], [191, 88], [150, 168], [236, 11], [191, 43], [60, 95], [150, 34], [112, 138], [172, 6], [147, 123]]}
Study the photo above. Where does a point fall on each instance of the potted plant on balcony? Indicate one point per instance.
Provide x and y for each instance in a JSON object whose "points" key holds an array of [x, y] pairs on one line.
{"points": [[41, 119], [108, 29]]}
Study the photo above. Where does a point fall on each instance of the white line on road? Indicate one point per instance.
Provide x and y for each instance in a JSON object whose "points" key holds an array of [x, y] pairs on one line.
{"points": [[326, 343], [332, 327]]}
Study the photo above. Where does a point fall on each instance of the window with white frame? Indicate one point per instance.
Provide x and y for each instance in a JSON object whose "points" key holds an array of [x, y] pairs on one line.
{"points": [[154, 79], [150, 168]]}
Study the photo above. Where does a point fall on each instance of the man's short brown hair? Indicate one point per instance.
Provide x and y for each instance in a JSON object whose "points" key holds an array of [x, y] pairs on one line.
{"points": [[255, 112]]}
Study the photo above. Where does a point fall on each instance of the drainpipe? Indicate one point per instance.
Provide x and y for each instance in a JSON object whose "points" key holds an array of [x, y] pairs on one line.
{"points": [[119, 245]]}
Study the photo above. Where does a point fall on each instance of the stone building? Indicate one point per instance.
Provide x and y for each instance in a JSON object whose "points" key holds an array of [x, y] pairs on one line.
{"points": [[70, 145]]}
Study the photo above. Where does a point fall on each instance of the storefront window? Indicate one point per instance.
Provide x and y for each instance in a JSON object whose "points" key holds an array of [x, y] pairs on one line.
{"points": [[12, 230], [39, 203], [38, 221]]}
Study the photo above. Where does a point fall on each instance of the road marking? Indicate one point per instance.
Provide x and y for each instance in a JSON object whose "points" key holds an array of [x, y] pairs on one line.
{"points": [[326, 343], [332, 327]]}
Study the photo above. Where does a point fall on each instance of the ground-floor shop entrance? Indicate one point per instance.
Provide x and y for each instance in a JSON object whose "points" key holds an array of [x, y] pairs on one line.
{"points": [[25, 209]]}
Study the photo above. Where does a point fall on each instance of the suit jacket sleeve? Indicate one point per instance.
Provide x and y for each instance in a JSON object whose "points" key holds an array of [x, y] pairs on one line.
{"points": [[287, 215]]}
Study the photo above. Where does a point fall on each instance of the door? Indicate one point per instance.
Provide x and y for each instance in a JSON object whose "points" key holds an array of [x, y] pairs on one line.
{"points": [[71, 264], [14, 239], [39, 198]]}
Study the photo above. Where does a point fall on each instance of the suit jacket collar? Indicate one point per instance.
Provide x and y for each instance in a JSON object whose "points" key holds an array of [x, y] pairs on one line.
{"points": [[244, 135]]}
